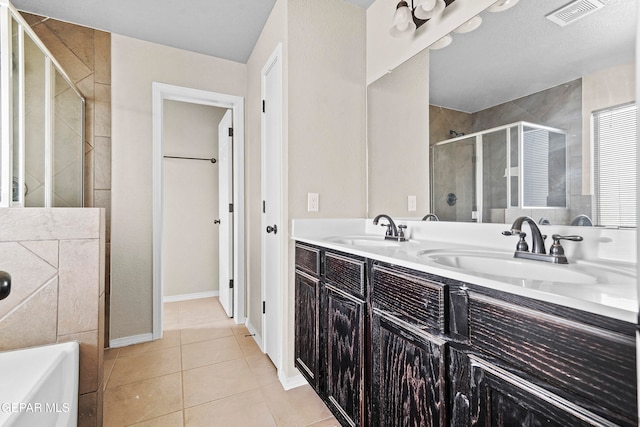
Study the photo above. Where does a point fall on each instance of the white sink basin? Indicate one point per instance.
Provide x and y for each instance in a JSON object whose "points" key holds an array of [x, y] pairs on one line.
{"points": [[503, 265], [364, 240]]}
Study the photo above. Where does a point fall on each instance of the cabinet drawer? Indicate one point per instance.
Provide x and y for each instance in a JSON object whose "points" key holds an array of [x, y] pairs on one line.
{"points": [[308, 259], [596, 365], [406, 295], [345, 273]]}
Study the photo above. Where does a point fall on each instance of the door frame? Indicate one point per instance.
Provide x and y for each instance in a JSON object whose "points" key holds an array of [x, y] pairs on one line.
{"points": [[161, 92]]}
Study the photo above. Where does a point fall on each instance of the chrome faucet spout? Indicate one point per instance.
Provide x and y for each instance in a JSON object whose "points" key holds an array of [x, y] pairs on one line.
{"points": [[537, 245], [392, 229], [430, 217]]}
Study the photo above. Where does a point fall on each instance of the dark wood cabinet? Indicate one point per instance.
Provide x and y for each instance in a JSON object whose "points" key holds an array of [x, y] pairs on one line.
{"points": [[501, 399], [408, 375], [343, 332], [306, 326], [389, 346]]}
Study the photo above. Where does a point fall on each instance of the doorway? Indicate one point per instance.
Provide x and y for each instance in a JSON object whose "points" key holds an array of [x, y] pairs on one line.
{"points": [[161, 94]]}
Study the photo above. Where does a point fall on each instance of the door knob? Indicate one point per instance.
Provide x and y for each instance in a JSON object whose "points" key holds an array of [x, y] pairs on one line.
{"points": [[273, 229], [5, 284], [216, 221]]}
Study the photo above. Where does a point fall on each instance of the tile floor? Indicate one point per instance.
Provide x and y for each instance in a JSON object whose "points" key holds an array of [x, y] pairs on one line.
{"points": [[206, 371]]}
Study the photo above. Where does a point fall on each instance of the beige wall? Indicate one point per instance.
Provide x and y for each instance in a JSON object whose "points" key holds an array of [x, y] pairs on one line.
{"points": [[274, 32], [190, 199], [135, 65], [56, 261], [398, 139]]}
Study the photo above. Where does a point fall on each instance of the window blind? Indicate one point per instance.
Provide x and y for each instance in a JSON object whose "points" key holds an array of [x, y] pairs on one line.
{"points": [[615, 144]]}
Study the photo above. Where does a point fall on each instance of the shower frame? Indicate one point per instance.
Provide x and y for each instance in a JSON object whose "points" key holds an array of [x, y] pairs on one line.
{"points": [[8, 77], [509, 168]]}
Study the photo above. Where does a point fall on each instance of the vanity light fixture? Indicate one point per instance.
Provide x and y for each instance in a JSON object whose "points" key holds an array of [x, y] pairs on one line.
{"points": [[469, 26], [501, 5], [403, 24], [442, 43], [407, 19]]}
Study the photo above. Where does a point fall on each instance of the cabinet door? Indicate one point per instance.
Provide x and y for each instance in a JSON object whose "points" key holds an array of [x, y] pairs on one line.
{"points": [[408, 375], [500, 398], [306, 326], [344, 335]]}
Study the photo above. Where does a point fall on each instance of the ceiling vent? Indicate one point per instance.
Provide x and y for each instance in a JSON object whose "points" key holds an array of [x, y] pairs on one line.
{"points": [[573, 11]]}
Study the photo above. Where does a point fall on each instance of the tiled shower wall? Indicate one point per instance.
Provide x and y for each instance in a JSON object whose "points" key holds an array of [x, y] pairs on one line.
{"points": [[56, 261], [85, 55], [559, 107]]}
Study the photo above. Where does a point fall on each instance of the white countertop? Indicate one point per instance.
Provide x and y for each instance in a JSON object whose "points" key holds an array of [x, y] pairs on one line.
{"points": [[606, 258]]}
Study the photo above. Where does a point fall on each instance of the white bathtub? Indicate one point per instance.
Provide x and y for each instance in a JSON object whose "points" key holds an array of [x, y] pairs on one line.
{"points": [[39, 386]]}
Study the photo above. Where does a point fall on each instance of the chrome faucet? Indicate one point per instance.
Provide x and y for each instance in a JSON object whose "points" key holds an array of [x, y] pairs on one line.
{"points": [[538, 252], [392, 231], [430, 217]]}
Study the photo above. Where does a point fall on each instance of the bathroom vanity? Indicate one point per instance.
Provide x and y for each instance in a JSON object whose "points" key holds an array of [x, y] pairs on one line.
{"points": [[389, 337]]}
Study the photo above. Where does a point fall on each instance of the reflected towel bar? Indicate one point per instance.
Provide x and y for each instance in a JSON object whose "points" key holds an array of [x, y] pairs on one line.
{"points": [[212, 160]]}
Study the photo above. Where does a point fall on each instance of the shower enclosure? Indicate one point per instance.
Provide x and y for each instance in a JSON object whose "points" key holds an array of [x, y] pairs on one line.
{"points": [[41, 122], [500, 173]]}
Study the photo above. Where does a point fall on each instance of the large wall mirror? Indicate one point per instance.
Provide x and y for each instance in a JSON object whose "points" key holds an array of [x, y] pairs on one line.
{"points": [[523, 113]]}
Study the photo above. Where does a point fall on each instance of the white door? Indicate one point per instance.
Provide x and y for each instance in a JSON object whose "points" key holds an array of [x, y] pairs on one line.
{"points": [[225, 201], [272, 228]]}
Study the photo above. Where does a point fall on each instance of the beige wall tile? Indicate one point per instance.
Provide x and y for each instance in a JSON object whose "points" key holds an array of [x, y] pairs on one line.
{"points": [[79, 286], [102, 199], [102, 110], [49, 224], [102, 57], [75, 38], [33, 322], [28, 273], [73, 66], [102, 180], [45, 249], [88, 414], [90, 369]]}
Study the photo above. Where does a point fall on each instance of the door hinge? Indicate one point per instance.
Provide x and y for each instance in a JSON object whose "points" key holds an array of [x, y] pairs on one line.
{"points": [[230, 131], [264, 307], [230, 283], [231, 207], [264, 206], [263, 106]]}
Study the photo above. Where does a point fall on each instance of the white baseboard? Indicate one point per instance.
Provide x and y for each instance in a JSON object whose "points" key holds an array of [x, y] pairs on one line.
{"points": [[186, 297], [134, 339], [256, 336], [292, 382]]}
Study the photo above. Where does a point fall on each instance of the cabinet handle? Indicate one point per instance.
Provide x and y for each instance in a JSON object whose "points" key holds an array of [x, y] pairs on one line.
{"points": [[273, 229]]}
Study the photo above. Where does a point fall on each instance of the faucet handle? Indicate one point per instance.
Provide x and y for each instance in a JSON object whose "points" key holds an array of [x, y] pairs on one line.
{"points": [[556, 248], [389, 232], [401, 229], [522, 245]]}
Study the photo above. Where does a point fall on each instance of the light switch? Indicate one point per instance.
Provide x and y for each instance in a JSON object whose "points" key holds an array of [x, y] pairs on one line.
{"points": [[312, 202], [412, 203]]}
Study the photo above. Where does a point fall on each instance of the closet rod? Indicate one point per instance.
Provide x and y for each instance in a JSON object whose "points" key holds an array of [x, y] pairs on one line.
{"points": [[212, 160]]}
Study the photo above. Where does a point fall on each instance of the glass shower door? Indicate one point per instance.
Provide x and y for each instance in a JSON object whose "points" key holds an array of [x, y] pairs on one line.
{"points": [[454, 186]]}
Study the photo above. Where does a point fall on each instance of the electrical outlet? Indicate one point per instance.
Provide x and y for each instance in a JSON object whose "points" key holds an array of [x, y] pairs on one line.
{"points": [[412, 203], [312, 202]]}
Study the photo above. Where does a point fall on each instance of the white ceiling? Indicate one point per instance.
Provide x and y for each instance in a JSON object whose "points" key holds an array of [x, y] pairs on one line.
{"points": [[519, 52], [225, 29]]}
